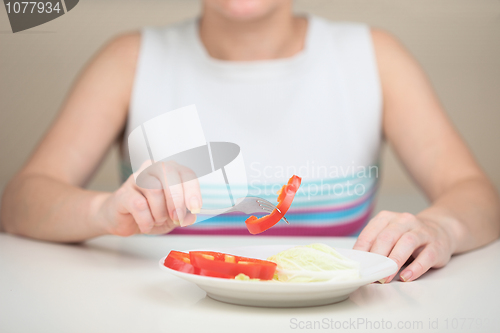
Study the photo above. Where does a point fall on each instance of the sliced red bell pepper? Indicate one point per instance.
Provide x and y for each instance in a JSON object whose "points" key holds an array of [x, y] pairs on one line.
{"points": [[285, 198], [180, 261], [287, 194], [229, 265], [257, 225]]}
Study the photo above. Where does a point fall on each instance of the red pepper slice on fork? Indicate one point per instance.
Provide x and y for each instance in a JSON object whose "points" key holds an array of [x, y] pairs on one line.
{"points": [[287, 194], [285, 198]]}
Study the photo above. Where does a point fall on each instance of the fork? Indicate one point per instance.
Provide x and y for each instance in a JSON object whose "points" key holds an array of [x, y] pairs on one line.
{"points": [[247, 205]]}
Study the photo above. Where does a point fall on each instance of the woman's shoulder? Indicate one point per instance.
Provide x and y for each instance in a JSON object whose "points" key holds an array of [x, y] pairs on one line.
{"points": [[346, 29], [130, 42], [348, 32], [124, 44]]}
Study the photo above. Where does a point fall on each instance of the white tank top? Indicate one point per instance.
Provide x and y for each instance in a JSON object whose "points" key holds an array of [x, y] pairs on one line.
{"points": [[316, 114]]}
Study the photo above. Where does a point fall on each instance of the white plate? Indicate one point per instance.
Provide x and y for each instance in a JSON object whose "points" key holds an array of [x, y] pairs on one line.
{"points": [[279, 294]]}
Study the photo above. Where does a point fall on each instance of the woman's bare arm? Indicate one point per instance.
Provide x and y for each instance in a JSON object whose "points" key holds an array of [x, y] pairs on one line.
{"points": [[45, 199], [465, 209]]}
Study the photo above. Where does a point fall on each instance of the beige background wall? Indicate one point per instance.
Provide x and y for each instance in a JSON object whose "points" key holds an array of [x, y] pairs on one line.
{"points": [[456, 41]]}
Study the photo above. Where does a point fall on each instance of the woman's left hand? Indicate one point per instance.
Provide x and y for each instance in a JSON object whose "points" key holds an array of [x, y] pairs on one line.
{"points": [[400, 236]]}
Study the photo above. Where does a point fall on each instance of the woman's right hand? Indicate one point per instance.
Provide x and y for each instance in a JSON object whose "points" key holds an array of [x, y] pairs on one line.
{"points": [[133, 209]]}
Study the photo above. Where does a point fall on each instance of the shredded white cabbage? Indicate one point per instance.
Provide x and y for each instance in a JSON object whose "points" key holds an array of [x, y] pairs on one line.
{"points": [[313, 263]]}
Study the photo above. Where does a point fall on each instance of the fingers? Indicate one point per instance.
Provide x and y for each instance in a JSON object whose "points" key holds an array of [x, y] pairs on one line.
{"points": [[174, 194], [179, 190], [169, 225], [407, 245], [425, 260], [135, 209], [175, 203], [163, 228], [367, 237], [189, 219], [192, 192], [157, 204], [387, 238], [137, 205], [400, 236], [182, 191], [156, 199]]}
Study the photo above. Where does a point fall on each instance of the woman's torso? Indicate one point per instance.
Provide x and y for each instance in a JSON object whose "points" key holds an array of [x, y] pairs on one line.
{"points": [[317, 115]]}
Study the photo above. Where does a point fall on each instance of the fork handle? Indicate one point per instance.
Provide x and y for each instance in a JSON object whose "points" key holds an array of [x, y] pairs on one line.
{"points": [[216, 211]]}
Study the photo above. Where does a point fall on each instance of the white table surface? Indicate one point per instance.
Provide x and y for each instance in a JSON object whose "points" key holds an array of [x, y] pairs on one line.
{"points": [[113, 284]]}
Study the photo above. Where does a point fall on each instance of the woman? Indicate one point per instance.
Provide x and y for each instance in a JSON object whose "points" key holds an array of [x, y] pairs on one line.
{"points": [[292, 92]]}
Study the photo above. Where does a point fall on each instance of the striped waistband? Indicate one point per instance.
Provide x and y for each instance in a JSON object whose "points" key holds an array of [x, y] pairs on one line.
{"points": [[312, 214], [322, 207]]}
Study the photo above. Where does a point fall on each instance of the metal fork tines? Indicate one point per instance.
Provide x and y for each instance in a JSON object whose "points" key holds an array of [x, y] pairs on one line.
{"points": [[247, 205], [269, 207]]}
